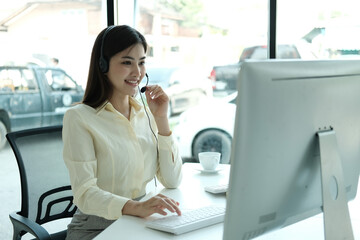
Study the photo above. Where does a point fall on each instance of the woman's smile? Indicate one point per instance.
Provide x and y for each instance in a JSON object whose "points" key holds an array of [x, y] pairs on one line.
{"points": [[132, 82]]}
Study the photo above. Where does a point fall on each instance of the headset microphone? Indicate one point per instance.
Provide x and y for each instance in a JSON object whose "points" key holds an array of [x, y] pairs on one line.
{"points": [[143, 89]]}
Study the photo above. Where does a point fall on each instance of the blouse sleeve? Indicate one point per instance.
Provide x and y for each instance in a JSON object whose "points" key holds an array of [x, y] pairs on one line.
{"points": [[170, 163], [80, 159]]}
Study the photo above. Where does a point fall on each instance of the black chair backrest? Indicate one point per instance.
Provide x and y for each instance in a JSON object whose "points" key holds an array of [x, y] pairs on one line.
{"points": [[45, 184]]}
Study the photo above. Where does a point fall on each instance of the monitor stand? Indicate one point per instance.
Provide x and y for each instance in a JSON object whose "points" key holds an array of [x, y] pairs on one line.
{"points": [[337, 223]]}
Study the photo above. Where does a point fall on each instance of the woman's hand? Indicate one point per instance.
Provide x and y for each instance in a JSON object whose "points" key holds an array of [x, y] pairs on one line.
{"points": [[158, 103], [156, 204], [157, 100]]}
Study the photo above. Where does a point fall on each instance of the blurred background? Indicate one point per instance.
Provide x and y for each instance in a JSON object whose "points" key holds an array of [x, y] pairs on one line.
{"points": [[196, 48]]}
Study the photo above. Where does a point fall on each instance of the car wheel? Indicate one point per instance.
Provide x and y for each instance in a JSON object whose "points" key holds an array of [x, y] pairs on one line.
{"points": [[3, 133], [213, 141]]}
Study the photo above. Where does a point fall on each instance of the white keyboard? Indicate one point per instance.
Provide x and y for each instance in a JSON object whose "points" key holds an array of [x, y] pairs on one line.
{"points": [[220, 188], [189, 220]]}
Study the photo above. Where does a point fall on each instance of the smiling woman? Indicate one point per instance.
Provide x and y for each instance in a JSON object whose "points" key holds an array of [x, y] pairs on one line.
{"points": [[114, 146]]}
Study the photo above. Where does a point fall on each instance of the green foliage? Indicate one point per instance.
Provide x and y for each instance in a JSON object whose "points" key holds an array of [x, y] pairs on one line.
{"points": [[191, 10]]}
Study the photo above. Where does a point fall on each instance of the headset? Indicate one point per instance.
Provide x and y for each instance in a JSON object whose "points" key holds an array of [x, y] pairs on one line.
{"points": [[103, 62]]}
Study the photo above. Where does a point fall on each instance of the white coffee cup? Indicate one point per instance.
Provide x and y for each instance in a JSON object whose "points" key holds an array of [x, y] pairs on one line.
{"points": [[209, 160]]}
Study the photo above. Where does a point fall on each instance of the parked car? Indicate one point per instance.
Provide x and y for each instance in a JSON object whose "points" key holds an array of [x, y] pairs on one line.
{"points": [[32, 96], [224, 77], [207, 127], [186, 86]]}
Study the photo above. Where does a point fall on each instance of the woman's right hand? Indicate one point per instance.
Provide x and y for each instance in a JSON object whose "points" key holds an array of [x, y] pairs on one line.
{"points": [[156, 204]]}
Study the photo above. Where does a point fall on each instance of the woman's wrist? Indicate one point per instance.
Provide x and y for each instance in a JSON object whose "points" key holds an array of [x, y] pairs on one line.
{"points": [[163, 126], [130, 208]]}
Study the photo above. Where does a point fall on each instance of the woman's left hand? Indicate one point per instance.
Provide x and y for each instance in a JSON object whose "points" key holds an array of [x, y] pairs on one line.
{"points": [[157, 100]]}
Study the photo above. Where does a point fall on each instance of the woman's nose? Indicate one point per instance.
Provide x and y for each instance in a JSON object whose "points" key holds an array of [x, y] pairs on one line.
{"points": [[136, 71]]}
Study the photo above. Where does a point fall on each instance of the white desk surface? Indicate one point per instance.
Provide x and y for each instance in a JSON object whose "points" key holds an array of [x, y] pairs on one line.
{"points": [[190, 194]]}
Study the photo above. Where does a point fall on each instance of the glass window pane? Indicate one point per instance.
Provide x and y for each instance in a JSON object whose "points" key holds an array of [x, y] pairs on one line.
{"points": [[58, 80], [325, 30], [196, 50], [33, 34], [45, 51]]}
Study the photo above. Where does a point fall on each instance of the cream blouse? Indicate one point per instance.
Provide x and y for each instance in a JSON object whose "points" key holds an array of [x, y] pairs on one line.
{"points": [[111, 159]]}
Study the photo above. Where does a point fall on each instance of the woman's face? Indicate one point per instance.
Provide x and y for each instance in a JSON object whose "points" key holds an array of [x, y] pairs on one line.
{"points": [[127, 69]]}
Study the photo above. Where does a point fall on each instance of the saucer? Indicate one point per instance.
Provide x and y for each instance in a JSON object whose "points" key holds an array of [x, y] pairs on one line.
{"points": [[209, 171]]}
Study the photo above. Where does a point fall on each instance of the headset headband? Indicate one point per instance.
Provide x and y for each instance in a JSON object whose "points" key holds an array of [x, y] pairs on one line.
{"points": [[103, 62]]}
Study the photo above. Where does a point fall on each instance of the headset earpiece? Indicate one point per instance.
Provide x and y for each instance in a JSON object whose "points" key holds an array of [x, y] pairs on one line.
{"points": [[104, 68], [103, 62]]}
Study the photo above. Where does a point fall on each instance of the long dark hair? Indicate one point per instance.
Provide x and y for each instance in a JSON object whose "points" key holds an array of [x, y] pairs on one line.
{"points": [[98, 88]]}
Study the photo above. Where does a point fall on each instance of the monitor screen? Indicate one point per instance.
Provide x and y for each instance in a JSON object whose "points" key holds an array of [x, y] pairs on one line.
{"points": [[275, 176]]}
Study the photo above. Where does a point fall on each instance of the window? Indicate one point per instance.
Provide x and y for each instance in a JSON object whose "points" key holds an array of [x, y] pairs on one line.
{"points": [[320, 29], [59, 80], [196, 37], [200, 31], [220, 36], [45, 53], [32, 35]]}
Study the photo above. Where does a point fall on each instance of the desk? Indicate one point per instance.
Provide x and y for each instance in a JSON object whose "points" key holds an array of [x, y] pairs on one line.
{"points": [[190, 194]]}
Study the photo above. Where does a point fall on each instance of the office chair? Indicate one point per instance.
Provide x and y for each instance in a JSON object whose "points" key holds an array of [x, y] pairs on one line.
{"points": [[45, 184]]}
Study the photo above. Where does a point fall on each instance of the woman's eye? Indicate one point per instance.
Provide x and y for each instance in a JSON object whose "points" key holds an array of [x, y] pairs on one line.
{"points": [[142, 63], [126, 62]]}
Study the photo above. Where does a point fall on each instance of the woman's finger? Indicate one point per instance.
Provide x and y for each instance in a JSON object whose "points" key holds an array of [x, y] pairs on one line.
{"points": [[174, 205], [160, 210], [156, 91], [170, 204]]}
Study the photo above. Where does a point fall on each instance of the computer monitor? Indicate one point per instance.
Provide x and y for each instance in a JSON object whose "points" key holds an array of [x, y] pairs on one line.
{"points": [[287, 112]]}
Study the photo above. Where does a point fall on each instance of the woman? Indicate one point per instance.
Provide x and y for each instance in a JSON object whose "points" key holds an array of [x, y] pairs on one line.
{"points": [[112, 146]]}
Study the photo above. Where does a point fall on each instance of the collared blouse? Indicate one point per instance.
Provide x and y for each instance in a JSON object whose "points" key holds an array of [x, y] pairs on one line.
{"points": [[111, 159]]}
